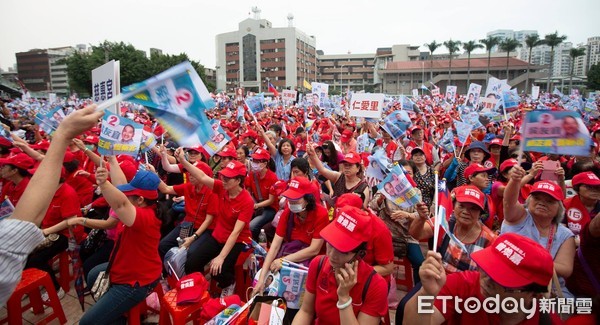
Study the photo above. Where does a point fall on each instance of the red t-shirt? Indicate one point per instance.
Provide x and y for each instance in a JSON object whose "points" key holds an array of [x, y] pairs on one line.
{"points": [[64, 205], [577, 214], [380, 250], [464, 285], [198, 203], [82, 186], [265, 185], [306, 230], [230, 211], [13, 192], [300, 144], [324, 287], [137, 258], [579, 282]]}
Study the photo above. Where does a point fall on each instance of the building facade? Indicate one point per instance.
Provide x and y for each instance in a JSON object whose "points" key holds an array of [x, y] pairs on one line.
{"points": [[257, 51], [42, 70], [346, 71]]}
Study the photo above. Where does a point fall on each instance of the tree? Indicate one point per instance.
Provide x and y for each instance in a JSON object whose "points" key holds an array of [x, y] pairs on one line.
{"points": [[489, 43], [509, 45], [134, 65], [469, 47], [552, 40], [432, 47], [453, 47], [574, 53], [593, 77], [531, 41]]}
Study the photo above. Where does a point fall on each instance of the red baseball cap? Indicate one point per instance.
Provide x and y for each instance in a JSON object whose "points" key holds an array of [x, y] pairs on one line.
{"points": [[69, 156], [587, 178], [515, 261], [233, 169], [20, 160], [250, 134], [298, 187], [351, 158], [91, 139], [349, 199], [549, 188], [415, 128], [478, 168], [470, 194], [508, 163], [5, 142], [228, 151], [351, 227], [204, 167], [495, 142], [191, 289], [261, 154], [346, 136]]}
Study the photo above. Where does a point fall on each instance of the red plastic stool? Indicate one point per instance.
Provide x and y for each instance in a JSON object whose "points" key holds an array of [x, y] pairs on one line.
{"points": [[31, 280], [64, 270], [135, 313], [408, 274], [170, 313]]}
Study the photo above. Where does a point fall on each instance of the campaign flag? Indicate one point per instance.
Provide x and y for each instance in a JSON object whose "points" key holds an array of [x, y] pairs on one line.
{"points": [[442, 216], [471, 118], [307, 85], [6, 209], [463, 130], [240, 114], [511, 100], [435, 91], [218, 140], [106, 83], [406, 103], [444, 199], [447, 141], [119, 136], [177, 98], [273, 90], [319, 93], [308, 124], [556, 132], [367, 105], [451, 93], [473, 95], [6, 135], [415, 93], [289, 95], [396, 123], [495, 87], [488, 104], [148, 141], [423, 87], [535, 92], [256, 104], [397, 188]]}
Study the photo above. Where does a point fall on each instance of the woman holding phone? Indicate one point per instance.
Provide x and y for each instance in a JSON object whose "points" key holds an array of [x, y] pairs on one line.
{"points": [[341, 288]]}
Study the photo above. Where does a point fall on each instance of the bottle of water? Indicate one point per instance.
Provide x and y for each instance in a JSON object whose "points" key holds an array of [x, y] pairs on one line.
{"points": [[262, 239]]}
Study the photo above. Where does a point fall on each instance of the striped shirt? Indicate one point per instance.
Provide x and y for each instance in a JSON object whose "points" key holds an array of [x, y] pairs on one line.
{"points": [[17, 240]]}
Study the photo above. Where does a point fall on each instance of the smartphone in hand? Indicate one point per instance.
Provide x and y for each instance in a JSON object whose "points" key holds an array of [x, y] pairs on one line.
{"points": [[549, 171]]}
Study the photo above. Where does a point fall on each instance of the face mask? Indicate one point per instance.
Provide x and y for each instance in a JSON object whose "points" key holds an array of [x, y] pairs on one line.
{"points": [[255, 166], [90, 147], [296, 208]]}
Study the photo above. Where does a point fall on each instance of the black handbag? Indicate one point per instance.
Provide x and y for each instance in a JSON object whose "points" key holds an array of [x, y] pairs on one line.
{"points": [[94, 240]]}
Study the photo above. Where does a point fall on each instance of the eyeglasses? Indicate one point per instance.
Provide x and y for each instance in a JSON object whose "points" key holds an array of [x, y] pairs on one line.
{"points": [[193, 152]]}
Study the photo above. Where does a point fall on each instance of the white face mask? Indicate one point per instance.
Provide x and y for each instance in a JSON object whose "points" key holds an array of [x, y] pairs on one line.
{"points": [[296, 208], [255, 166]]}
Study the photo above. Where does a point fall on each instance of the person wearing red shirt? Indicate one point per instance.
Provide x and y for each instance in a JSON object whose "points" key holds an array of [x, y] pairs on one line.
{"points": [[387, 143], [81, 184], [583, 207], [222, 248], [136, 266], [341, 288], [297, 238], [417, 135], [300, 141], [200, 210], [14, 172], [515, 268], [259, 182]]}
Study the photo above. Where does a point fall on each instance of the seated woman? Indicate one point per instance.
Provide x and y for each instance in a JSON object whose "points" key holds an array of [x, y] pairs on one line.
{"points": [[136, 265], [465, 226], [297, 238], [540, 219], [341, 288], [222, 248]]}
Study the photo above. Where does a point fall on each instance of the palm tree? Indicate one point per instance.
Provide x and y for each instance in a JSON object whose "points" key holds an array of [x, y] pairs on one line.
{"points": [[489, 43], [509, 45], [453, 47], [574, 53], [432, 47], [552, 40], [469, 47], [531, 41]]}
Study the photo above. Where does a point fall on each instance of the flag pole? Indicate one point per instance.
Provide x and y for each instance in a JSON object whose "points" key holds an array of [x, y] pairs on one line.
{"points": [[437, 223]]}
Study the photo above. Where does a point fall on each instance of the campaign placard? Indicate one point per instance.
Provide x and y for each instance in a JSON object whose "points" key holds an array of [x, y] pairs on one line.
{"points": [[105, 83], [367, 105], [119, 136], [556, 132]]}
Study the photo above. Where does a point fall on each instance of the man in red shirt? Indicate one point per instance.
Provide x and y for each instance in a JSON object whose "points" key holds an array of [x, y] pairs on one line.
{"points": [[514, 270]]}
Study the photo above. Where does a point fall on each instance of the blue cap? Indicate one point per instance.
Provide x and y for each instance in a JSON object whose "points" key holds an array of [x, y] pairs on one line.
{"points": [[144, 184]]}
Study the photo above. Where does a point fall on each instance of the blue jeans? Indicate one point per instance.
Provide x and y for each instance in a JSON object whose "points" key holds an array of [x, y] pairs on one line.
{"points": [[118, 300], [415, 256], [259, 221]]}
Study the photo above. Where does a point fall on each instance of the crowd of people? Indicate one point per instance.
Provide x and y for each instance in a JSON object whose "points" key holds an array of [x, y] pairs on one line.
{"points": [[511, 231]]}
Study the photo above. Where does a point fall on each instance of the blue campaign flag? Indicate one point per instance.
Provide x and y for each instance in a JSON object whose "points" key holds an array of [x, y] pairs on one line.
{"points": [[256, 104], [510, 99], [177, 98], [119, 136], [396, 123], [397, 188], [556, 132]]}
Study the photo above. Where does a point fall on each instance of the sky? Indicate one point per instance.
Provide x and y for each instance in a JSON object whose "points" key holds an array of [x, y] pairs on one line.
{"points": [[355, 26]]}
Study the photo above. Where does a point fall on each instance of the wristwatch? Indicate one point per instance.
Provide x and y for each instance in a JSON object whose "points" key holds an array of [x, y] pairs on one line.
{"points": [[195, 236]]}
